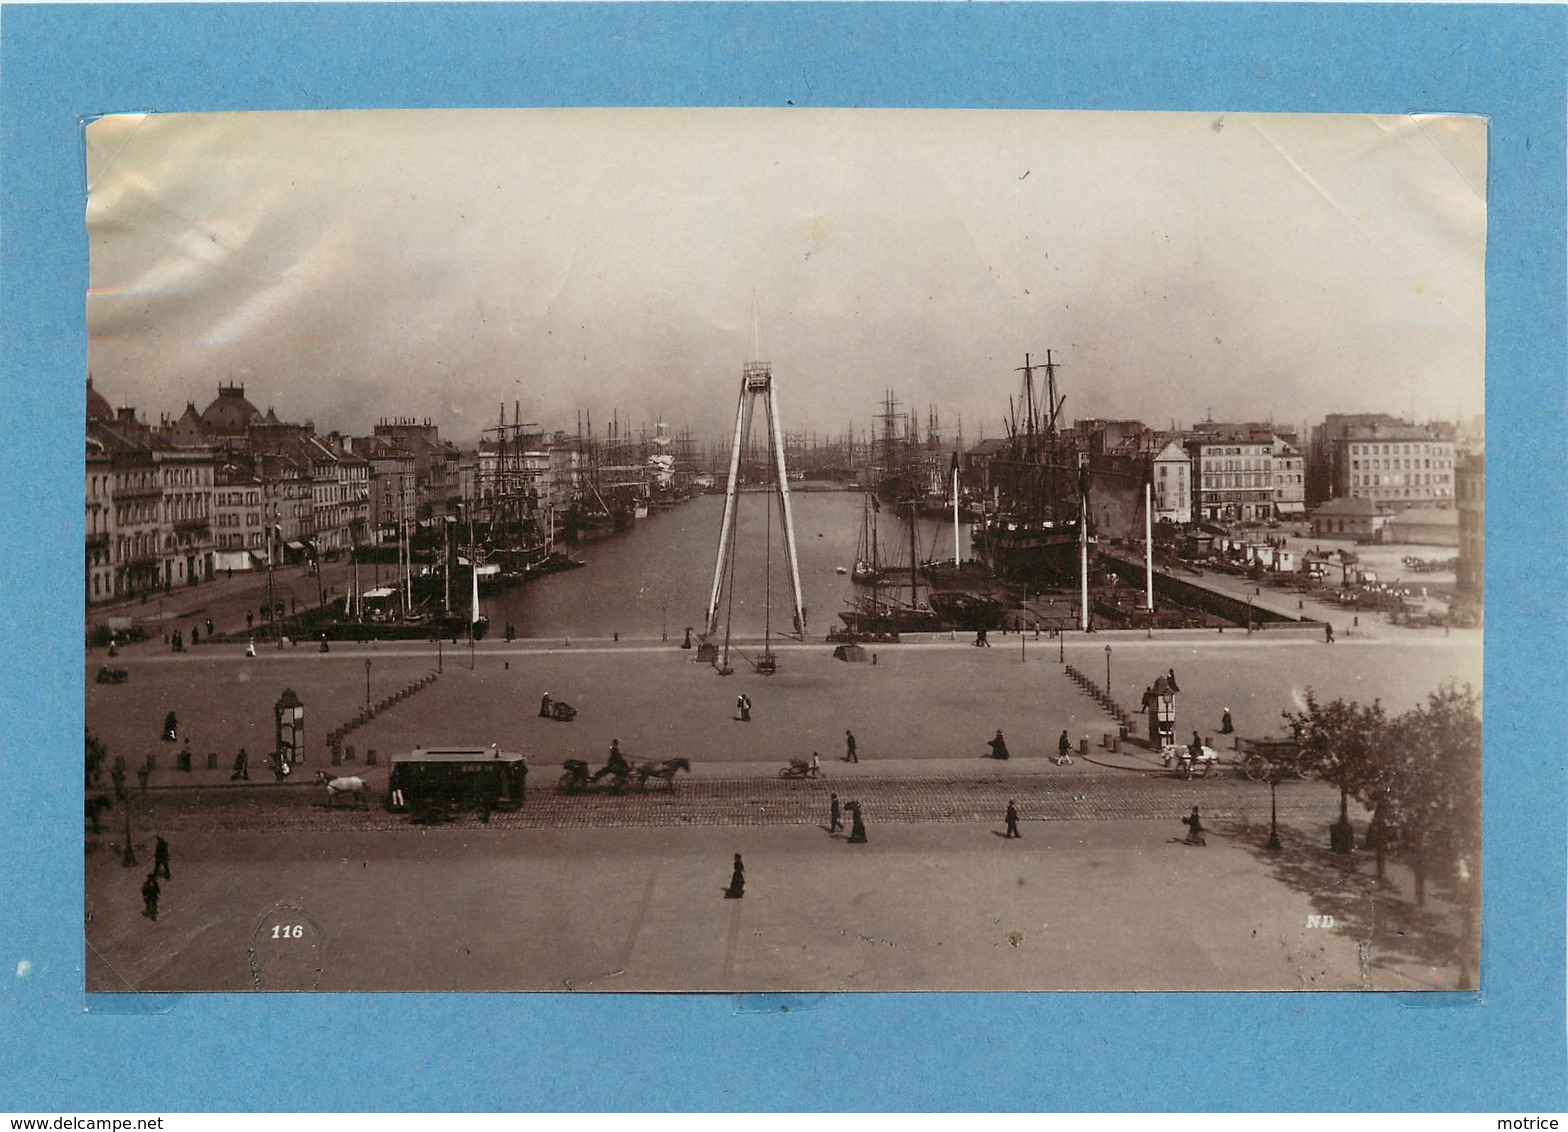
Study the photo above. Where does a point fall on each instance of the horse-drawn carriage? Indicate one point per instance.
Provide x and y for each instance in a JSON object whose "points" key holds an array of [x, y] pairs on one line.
{"points": [[576, 779]]}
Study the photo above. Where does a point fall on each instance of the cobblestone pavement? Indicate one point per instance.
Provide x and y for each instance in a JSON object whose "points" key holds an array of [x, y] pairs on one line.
{"points": [[754, 801]]}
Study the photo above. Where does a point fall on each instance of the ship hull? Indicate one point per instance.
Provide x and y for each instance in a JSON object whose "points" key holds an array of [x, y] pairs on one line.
{"points": [[1028, 552]]}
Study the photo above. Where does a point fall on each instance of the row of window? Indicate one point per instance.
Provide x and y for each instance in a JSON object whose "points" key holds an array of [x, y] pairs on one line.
{"points": [[1397, 447], [1390, 465], [1415, 479], [232, 519], [186, 477]]}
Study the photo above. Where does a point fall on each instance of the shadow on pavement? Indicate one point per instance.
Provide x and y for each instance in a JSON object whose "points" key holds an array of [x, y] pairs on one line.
{"points": [[1395, 934]]}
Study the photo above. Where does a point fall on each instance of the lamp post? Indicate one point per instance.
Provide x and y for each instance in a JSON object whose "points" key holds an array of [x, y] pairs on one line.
{"points": [[1061, 643], [367, 683], [1107, 671], [664, 612]]}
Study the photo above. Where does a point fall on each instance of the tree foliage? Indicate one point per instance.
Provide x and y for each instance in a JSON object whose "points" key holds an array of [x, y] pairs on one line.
{"points": [[1343, 743]]}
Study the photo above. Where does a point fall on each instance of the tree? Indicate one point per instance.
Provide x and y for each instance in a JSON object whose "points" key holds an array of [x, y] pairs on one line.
{"points": [[1345, 744], [1436, 787]]}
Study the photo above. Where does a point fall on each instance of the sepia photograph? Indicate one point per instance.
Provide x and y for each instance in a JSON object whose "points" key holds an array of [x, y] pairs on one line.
{"points": [[783, 550]]}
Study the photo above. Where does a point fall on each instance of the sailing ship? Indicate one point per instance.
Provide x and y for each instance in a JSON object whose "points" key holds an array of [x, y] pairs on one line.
{"points": [[1032, 535], [877, 612], [868, 560]]}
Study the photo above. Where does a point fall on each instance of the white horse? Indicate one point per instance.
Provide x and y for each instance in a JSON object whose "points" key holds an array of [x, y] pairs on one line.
{"points": [[336, 786]]}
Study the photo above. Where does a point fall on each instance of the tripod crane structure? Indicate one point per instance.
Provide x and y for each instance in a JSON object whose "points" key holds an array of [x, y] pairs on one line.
{"points": [[756, 385]]}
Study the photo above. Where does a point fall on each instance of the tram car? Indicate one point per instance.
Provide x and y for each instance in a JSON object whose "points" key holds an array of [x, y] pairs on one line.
{"points": [[476, 778]]}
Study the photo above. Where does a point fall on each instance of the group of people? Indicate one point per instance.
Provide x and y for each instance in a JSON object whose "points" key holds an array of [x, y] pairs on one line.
{"points": [[998, 745], [857, 819]]}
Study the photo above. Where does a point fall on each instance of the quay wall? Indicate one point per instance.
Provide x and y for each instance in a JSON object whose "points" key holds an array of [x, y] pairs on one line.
{"points": [[1194, 595]]}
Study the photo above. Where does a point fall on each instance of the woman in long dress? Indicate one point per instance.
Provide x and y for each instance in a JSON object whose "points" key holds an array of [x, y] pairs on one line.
{"points": [[737, 887], [857, 825]]}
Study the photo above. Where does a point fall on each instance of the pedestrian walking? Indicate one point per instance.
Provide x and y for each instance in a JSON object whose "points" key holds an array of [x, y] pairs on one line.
{"points": [[1064, 750], [1012, 819], [209, 628], [160, 858], [250, 620], [743, 708], [150, 890], [737, 888], [857, 824], [1226, 725], [981, 640], [250, 648], [241, 767], [849, 747], [195, 635], [1194, 828], [545, 704], [143, 774], [834, 824], [1328, 633], [998, 747]]}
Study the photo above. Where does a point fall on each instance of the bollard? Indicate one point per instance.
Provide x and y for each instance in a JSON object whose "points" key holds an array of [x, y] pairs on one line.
{"points": [[348, 753], [370, 757], [1083, 745]]}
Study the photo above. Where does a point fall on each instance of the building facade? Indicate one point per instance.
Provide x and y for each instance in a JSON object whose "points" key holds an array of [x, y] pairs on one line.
{"points": [[1172, 478]]}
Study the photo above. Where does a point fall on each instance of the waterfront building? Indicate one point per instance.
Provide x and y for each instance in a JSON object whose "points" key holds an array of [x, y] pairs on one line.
{"points": [[186, 476], [1470, 501], [131, 529], [392, 486], [238, 516], [1232, 473], [1289, 470], [1357, 519], [1172, 480], [1390, 461], [286, 505], [437, 463]]}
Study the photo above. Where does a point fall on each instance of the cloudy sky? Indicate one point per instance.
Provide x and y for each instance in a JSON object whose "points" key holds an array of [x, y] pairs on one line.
{"points": [[345, 266]]}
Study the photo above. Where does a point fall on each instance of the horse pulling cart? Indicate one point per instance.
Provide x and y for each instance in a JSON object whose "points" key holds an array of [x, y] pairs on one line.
{"points": [[576, 779]]}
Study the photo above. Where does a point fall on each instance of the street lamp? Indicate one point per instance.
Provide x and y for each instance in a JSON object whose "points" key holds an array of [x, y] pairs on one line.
{"points": [[1107, 671], [367, 683]]}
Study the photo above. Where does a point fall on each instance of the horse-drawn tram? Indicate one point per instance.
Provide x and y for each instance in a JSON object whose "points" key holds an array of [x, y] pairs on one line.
{"points": [[480, 778]]}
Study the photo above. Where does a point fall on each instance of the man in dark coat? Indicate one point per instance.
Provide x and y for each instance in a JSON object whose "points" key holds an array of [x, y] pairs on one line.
{"points": [[834, 824], [998, 747], [1227, 726], [241, 766], [1012, 819], [160, 858], [150, 897], [849, 747], [1064, 750]]}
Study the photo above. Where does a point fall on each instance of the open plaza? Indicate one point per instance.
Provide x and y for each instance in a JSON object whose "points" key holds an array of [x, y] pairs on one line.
{"points": [[624, 892]]}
